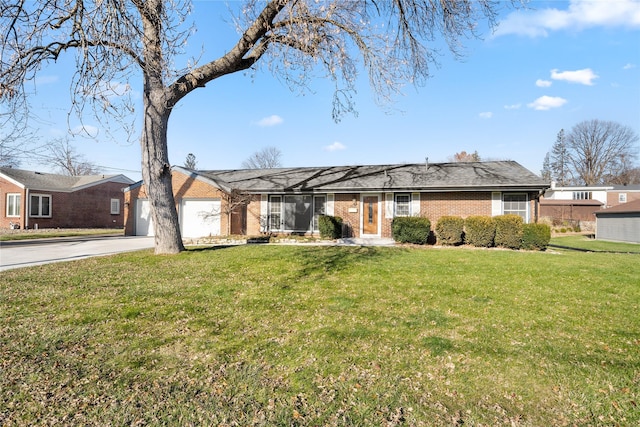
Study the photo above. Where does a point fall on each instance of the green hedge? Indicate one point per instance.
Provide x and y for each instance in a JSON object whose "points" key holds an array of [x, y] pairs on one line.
{"points": [[330, 226], [536, 236], [508, 231], [449, 230], [479, 231], [411, 229]]}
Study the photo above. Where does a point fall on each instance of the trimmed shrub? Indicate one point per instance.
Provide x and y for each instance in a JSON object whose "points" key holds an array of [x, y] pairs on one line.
{"points": [[330, 227], [508, 231], [411, 229], [449, 230], [536, 236], [479, 231]]}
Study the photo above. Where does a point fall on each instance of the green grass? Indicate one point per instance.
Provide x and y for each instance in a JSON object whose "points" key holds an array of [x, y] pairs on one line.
{"points": [[587, 243], [305, 336], [53, 232]]}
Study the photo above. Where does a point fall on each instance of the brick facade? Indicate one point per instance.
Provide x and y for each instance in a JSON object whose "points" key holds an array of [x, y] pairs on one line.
{"points": [[85, 208]]}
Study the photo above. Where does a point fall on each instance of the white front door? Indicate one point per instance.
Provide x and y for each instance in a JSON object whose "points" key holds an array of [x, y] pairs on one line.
{"points": [[200, 218]]}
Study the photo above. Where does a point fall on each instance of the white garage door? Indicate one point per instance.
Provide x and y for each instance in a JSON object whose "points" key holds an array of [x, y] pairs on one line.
{"points": [[200, 218], [144, 223]]}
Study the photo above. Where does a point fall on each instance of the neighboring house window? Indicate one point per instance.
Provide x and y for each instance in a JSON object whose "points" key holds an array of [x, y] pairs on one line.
{"points": [[516, 204], [13, 204], [582, 195], [622, 198], [403, 204], [115, 207], [40, 205]]}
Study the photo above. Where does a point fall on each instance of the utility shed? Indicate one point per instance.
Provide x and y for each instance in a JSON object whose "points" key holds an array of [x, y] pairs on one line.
{"points": [[619, 223]]}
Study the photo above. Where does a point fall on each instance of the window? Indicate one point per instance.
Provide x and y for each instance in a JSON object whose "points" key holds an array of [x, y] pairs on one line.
{"points": [[582, 195], [115, 206], [319, 208], [622, 198], [296, 212], [275, 213], [13, 204], [516, 204], [40, 205], [403, 204]]}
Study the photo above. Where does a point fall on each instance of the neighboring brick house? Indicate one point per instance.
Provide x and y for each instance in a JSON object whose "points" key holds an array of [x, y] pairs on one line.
{"points": [[579, 203], [367, 198], [32, 199]]}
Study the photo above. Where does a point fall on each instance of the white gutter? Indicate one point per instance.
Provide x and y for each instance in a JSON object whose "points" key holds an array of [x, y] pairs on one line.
{"points": [[26, 209]]}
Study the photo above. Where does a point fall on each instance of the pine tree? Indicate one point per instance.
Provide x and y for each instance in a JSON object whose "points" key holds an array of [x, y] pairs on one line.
{"points": [[560, 161]]}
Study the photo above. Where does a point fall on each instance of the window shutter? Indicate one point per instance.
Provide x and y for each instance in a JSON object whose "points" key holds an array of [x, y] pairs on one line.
{"points": [[388, 205], [330, 206], [264, 212], [496, 203], [415, 204]]}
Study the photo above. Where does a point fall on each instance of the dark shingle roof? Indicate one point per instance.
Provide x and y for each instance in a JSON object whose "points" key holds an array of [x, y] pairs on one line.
{"points": [[622, 208], [53, 182], [467, 176]]}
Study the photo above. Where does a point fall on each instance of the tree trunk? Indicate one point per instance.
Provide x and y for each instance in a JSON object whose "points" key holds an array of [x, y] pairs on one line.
{"points": [[156, 173]]}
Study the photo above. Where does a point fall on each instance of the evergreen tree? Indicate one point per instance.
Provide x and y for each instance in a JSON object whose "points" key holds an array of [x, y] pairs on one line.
{"points": [[560, 160]]}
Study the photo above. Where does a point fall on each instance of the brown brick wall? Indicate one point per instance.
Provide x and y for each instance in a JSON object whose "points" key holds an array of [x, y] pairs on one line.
{"points": [[613, 197], [9, 187]]}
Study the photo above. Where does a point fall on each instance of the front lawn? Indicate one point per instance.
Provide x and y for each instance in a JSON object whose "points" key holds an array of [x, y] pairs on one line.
{"points": [[305, 336]]}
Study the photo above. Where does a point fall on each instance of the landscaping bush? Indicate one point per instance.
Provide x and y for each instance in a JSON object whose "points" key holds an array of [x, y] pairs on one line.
{"points": [[508, 231], [411, 229], [330, 226], [449, 230], [536, 236], [479, 231]]}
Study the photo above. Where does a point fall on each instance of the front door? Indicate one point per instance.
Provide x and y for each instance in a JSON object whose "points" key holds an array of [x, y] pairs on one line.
{"points": [[370, 215]]}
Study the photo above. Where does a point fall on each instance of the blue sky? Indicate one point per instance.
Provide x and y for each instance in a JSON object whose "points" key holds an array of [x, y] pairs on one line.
{"points": [[546, 68]]}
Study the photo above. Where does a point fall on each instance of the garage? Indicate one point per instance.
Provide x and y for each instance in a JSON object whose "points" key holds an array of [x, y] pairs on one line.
{"points": [[144, 223], [200, 218], [620, 223]]}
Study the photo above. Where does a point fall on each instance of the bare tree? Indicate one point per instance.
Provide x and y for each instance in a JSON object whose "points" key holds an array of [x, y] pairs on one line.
{"points": [[600, 150], [463, 156], [296, 39], [267, 158], [190, 161], [66, 160]]}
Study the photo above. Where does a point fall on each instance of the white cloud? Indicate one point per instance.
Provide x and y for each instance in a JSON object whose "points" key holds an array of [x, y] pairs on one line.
{"points": [[585, 76], [273, 120], [629, 66], [543, 83], [513, 107], [336, 146], [85, 130], [486, 115], [579, 15], [547, 102]]}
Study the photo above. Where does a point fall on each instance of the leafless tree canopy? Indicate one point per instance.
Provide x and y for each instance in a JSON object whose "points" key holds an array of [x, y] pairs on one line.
{"points": [[67, 161], [267, 158], [601, 150], [190, 161], [393, 40]]}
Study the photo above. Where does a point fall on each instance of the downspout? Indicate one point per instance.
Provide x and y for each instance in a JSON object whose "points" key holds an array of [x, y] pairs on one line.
{"points": [[26, 211]]}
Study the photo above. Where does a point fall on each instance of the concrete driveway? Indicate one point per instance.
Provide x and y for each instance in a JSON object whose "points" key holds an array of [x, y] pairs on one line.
{"points": [[24, 253]]}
